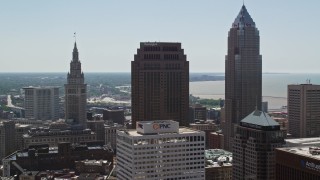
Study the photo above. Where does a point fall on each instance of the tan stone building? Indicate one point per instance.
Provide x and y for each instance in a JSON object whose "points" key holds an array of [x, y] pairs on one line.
{"points": [[304, 110], [76, 92]]}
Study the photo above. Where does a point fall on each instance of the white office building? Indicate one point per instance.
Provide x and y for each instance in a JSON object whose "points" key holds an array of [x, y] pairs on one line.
{"points": [[160, 150]]}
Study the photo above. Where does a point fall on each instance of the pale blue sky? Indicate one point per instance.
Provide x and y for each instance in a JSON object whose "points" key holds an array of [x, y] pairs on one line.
{"points": [[37, 35]]}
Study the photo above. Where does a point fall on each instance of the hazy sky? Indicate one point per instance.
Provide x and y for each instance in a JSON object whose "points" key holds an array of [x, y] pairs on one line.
{"points": [[37, 35]]}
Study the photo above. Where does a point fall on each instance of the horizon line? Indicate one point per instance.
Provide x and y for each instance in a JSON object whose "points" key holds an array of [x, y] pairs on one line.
{"points": [[130, 72]]}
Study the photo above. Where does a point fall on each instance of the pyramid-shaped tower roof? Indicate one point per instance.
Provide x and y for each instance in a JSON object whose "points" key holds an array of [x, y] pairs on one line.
{"points": [[243, 19], [260, 120]]}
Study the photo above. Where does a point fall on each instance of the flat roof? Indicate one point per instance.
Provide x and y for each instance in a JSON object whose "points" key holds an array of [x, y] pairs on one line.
{"points": [[304, 151], [304, 141], [218, 158], [182, 130]]}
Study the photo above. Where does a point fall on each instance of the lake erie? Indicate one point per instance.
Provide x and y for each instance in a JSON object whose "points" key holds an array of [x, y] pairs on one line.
{"points": [[274, 87]]}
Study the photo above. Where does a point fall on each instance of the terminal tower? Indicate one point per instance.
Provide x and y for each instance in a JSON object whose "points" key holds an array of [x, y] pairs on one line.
{"points": [[75, 93]]}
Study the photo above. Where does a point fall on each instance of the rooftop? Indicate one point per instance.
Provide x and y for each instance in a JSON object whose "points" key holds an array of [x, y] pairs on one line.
{"points": [[95, 162], [303, 151], [34, 132], [40, 87], [258, 120], [243, 19], [303, 142], [218, 158], [182, 130], [214, 153]]}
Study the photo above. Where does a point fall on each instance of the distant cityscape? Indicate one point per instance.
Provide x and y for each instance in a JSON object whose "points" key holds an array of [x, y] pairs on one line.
{"points": [[158, 122]]}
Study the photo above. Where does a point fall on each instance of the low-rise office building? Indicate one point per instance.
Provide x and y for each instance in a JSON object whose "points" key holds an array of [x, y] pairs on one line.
{"points": [[206, 126], [94, 166], [110, 132], [39, 136], [296, 163], [97, 126], [215, 140], [197, 112], [218, 164], [43, 157], [114, 115]]}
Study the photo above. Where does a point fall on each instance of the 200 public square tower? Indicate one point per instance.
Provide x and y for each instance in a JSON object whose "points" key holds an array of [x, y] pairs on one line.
{"points": [[160, 83]]}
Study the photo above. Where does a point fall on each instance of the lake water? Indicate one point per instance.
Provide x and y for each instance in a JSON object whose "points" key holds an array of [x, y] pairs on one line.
{"points": [[274, 87]]}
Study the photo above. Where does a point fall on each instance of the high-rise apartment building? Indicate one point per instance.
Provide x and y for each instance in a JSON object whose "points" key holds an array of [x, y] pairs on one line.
{"points": [[41, 103], [243, 73], [160, 83], [160, 150], [304, 110], [256, 138], [76, 92]]}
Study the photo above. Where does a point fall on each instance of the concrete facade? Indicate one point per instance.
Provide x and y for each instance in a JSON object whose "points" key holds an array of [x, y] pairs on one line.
{"points": [[304, 110], [41, 103]]}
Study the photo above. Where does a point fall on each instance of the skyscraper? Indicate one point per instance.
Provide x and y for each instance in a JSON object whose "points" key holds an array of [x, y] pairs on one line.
{"points": [[160, 83], [304, 110], [243, 73], [76, 92], [41, 103], [256, 138]]}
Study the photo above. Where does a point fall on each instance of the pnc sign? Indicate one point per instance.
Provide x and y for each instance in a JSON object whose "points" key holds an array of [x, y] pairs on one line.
{"points": [[157, 126]]}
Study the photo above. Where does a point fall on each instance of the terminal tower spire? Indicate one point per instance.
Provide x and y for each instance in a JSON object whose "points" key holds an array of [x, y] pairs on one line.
{"points": [[76, 75]]}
